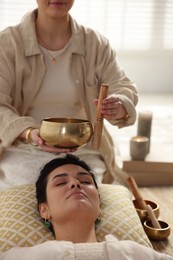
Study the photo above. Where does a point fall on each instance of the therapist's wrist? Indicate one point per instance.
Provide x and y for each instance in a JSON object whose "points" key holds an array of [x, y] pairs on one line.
{"points": [[25, 136]]}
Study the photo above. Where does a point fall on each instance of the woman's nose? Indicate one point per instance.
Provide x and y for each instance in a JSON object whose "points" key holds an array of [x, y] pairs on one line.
{"points": [[75, 184]]}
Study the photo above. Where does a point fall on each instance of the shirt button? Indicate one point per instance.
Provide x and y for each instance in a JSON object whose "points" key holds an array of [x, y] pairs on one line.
{"points": [[66, 253], [77, 81]]}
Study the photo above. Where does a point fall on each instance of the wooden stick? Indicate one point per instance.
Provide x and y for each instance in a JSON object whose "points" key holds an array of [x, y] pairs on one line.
{"points": [[99, 118], [152, 217], [134, 188]]}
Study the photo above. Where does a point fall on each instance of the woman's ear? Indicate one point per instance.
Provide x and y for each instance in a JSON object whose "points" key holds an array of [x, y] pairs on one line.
{"points": [[44, 211]]}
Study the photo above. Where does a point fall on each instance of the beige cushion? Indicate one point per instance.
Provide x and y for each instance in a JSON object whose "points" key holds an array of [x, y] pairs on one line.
{"points": [[21, 225]]}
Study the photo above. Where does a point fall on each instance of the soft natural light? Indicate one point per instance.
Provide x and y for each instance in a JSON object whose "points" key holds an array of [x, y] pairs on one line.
{"points": [[168, 31], [117, 20], [129, 24], [11, 11]]}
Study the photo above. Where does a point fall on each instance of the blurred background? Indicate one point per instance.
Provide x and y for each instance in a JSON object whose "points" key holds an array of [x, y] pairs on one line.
{"points": [[140, 31]]}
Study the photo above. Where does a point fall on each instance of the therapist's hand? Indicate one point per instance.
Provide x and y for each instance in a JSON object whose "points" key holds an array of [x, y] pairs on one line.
{"points": [[36, 140], [112, 108]]}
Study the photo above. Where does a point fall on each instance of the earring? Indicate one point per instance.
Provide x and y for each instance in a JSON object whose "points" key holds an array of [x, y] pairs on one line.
{"points": [[47, 223], [98, 220]]}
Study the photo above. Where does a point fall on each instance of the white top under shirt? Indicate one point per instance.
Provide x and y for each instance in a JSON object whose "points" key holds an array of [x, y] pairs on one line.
{"points": [[57, 96]]}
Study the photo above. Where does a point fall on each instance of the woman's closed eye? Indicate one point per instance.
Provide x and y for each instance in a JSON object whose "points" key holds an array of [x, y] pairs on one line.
{"points": [[85, 180], [82, 179], [60, 182]]}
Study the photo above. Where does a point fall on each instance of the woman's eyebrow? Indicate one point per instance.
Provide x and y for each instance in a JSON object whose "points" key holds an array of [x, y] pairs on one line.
{"points": [[66, 174], [60, 175], [83, 173]]}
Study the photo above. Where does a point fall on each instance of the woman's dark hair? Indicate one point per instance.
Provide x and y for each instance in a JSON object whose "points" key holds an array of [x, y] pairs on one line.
{"points": [[41, 183]]}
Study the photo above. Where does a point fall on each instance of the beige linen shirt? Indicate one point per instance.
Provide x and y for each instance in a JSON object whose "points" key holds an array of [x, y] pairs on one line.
{"points": [[22, 70]]}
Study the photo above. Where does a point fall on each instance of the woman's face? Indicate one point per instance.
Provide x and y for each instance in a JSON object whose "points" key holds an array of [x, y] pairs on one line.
{"points": [[55, 8], [71, 192]]}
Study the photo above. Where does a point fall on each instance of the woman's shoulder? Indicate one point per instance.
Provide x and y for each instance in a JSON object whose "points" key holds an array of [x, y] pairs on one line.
{"points": [[88, 32], [19, 38], [14, 33]]}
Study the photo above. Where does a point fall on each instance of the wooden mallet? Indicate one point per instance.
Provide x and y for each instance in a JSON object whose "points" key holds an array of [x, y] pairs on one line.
{"points": [[99, 118]]}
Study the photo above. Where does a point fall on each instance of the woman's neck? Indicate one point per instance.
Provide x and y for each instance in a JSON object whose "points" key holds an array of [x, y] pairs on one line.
{"points": [[54, 33], [75, 233]]}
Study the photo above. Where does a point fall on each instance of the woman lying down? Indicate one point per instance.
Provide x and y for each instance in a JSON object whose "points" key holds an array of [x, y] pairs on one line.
{"points": [[68, 201]]}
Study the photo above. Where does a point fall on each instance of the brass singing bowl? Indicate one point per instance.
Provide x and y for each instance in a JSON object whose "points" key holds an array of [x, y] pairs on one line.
{"points": [[142, 213], [157, 233], [66, 132]]}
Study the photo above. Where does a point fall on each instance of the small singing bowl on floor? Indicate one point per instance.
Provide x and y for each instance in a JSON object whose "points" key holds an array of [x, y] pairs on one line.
{"points": [[142, 213], [66, 132], [155, 233]]}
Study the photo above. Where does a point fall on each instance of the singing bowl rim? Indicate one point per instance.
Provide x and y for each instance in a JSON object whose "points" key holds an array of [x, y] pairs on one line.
{"points": [[65, 120], [154, 205]]}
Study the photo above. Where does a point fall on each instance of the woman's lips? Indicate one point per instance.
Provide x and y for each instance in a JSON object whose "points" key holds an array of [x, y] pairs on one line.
{"points": [[57, 3], [76, 193]]}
